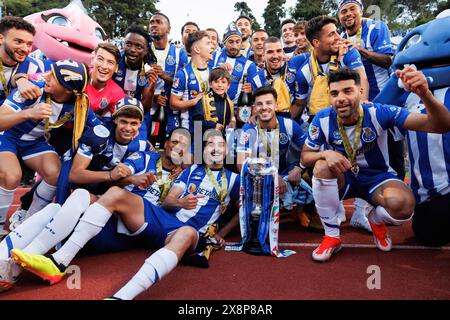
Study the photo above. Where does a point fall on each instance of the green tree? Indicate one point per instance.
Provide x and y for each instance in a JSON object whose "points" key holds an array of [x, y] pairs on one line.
{"points": [[272, 15], [245, 10], [308, 9], [22, 8], [115, 16]]}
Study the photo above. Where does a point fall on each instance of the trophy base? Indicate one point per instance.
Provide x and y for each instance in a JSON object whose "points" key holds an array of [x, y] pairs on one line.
{"points": [[253, 248]]}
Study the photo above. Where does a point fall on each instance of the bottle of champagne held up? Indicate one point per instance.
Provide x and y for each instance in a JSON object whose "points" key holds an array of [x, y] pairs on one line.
{"points": [[244, 105]]}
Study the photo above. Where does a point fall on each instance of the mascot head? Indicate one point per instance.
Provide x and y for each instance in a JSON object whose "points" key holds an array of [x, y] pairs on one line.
{"points": [[66, 33]]}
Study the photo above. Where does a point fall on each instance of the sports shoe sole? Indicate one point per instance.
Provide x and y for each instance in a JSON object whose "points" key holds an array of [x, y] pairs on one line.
{"points": [[50, 279], [336, 250], [4, 285]]}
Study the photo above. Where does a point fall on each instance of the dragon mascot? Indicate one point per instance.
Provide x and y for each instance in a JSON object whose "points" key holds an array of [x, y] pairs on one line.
{"points": [[427, 47], [66, 33]]}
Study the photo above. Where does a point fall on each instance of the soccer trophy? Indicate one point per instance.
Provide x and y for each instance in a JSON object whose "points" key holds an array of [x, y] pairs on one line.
{"points": [[258, 169]]}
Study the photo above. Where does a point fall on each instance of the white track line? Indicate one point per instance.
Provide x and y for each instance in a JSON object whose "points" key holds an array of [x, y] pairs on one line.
{"points": [[354, 245]]}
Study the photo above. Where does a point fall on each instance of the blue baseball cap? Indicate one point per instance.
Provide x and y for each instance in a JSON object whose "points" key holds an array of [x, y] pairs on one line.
{"points": [[129, 103]]}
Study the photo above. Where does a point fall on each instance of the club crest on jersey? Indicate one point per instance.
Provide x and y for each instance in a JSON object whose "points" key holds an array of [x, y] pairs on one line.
{"points": [[314, 132], [290, 78], [368, 135], [283, 138], [170, 60], [239, 67], [103, 103], [192, 187], [119, 73]]}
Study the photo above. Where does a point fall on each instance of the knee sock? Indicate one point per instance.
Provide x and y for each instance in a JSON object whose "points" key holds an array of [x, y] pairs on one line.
{"points": [[62, 224], [28, 230], [326, 196], [382, 216], [360, 206], [155, 267], [42, 196], [92, 222], [6, 198]]}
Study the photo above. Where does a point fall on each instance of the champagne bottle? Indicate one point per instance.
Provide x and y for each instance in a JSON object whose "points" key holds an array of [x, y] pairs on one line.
{"points": [[161, 115], [244, 104]]}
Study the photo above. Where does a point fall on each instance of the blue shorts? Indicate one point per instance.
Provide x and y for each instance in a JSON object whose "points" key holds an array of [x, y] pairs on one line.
{"points": [[25, 149], [365, 184], [159, 225]]}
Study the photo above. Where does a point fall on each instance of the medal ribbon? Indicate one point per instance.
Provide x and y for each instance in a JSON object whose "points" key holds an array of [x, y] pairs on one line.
{"points": [[47, 125], [3, 77], [162, 61], [222, 192], [163, 186], [203, 83], [349, 150]]}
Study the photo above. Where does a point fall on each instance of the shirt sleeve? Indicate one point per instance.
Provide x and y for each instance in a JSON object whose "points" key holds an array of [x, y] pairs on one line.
{"points": [[352, 59], [17, 103], [315, 138], [234, 190], [179, 84], [92, 119], [380, 38], [253, 76], [183, 60], [299, 135], [135, 162], [85, 151]]}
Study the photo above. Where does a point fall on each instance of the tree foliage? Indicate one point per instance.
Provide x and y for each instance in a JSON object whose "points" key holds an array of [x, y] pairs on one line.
{"points": [[243, 9], [272, 15]]}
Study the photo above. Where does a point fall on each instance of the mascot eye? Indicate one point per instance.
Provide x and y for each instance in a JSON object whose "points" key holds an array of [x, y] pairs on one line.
{"points": [[100, 34], [412, 41], [59, 20]]}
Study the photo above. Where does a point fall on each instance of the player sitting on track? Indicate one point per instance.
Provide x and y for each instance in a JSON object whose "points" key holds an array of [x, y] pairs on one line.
{"points": [[355, 162], [151, 179], [205, 192]]}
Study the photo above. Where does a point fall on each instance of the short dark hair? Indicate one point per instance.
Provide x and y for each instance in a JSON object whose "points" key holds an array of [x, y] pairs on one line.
{"points": [[193, 38], [209, 133], [287, 21], [138, 29], [130, 113], [109, 47], [314, 26], [272, 40], [265, 90], [189, 23], [213, 30], [18, 23], [260, 30], [158, 13], [299, 26], [219, 73], [344, 74], [243, 16]]}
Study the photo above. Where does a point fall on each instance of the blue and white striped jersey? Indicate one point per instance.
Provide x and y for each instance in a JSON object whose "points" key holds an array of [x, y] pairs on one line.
{"points": [[429, 153], [187, 85], [113, 152], [32, 130], [241, 66], [130, 80], [290, 135], [195, 180], [304, 76], [375, 36], [143, 162], [373, 146], [29, 66], [289, 78]]}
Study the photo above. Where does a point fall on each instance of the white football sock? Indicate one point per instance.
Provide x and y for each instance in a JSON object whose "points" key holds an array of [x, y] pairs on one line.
{"points": [[382, 216], [92, 222], [62, 224], [28, 230], [360, 206], [6, 199], [157, 266], [326, 196], [42, 196]]}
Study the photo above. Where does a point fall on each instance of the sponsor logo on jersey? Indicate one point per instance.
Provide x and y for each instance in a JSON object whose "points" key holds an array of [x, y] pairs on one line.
{"points": [[314, 132]]}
